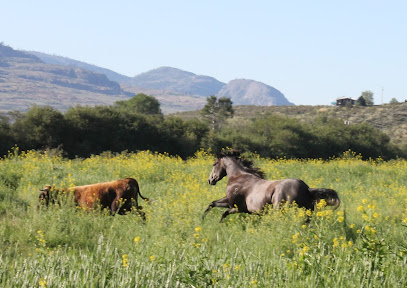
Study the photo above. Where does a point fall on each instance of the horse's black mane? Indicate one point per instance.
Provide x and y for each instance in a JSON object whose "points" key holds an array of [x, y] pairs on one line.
{"points": [[245, 163]]}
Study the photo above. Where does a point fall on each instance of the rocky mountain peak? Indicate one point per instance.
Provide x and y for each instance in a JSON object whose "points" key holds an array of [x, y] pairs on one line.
{"points": [[250, 92]]}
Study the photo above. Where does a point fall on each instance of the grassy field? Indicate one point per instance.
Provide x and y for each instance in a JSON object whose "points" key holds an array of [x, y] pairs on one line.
{"points": [[361, 244]]}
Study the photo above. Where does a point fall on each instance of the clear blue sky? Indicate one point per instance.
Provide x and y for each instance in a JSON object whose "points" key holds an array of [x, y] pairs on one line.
{"points": [[312, 51]]}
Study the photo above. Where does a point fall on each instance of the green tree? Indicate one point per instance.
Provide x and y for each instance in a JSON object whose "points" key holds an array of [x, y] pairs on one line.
{"points": [[216, 111], [394, 101], [93, 130], [368, 96], [40, 127], [361, 101], [141, 103], [6, 136]]}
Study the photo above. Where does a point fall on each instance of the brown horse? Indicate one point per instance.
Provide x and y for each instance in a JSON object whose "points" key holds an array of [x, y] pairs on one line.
{"points": [[117, 196], [248, 192]]}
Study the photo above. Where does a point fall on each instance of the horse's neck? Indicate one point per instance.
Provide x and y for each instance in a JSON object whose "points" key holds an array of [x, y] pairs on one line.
{"points": [[233, 168]]}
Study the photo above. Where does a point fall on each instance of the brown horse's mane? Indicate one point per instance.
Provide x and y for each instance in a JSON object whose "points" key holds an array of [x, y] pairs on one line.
{"points": [[246, 164]]}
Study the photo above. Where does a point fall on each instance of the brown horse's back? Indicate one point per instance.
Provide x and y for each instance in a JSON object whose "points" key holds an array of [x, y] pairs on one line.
{"points": [[107, 193], [114, 195]]}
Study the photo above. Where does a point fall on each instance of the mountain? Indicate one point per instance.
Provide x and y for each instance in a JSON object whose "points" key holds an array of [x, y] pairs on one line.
{"points": [[26, 80], [163, 81], [64, 61], [172, 79], [249, 92]]}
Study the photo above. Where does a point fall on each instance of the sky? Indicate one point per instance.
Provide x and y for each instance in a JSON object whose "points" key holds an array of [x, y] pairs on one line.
{"points": [[311, 51]]}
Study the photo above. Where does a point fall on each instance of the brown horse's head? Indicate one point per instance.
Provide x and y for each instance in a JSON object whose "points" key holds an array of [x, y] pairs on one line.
{"points": [[218, 171], [44, 195]]}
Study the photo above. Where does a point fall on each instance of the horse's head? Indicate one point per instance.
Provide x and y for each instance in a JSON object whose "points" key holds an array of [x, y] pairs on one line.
{"points": [[218, 171], [44, 195]]}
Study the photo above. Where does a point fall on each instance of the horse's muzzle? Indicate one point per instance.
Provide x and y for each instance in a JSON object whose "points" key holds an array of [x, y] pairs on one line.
{"points": [[212, 181]]}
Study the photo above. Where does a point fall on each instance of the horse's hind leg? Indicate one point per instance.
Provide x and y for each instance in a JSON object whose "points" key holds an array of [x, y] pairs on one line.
{"points": [[224, 203], [126, 206], [115, 206], [228, 212]]}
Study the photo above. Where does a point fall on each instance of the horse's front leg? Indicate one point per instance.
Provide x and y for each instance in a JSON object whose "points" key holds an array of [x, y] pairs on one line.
{"points": [[224, 203], [228, 212]]}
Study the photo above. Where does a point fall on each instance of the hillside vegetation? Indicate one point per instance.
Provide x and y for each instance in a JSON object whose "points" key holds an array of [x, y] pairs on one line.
{"points": [[389, 118]]}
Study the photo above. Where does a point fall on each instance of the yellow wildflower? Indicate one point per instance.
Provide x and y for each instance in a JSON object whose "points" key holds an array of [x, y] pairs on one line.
{"points": [[321, 204], [125, 260], [42, 282], [336, 242], [295, 237]]}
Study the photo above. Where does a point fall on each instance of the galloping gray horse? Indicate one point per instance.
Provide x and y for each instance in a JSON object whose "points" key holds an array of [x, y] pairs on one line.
{"points": [[248, 192]]}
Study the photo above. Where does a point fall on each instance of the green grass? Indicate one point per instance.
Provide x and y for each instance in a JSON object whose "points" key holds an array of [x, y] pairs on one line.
{"points": [[362, 244]]}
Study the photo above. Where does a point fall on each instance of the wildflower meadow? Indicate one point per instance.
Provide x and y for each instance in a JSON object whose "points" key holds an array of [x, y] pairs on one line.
{"points": [[363, 243]]}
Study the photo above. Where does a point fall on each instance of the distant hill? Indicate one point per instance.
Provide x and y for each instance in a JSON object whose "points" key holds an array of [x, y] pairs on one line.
{"points": [[64, 61], [165, 81], [172, 79], [249, 92], [170, 101], [26, 80]]}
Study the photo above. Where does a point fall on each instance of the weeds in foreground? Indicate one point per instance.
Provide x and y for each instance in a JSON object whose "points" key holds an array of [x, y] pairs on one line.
{"points": [[360, 244]]}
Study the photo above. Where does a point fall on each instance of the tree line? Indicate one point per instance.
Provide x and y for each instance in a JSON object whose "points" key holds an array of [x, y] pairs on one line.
{"points": [[138, 124]]}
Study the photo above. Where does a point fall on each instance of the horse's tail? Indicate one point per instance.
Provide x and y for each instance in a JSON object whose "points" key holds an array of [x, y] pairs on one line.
{"points": [[134, 184], [138, 192], [329, 195]]}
